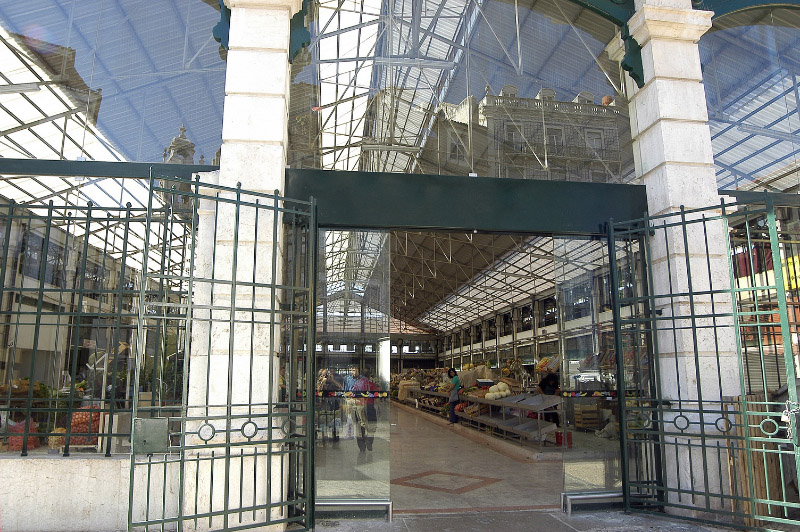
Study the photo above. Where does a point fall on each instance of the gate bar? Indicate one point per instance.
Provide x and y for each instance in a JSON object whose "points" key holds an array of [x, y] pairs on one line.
{"points": [[621, 394]]}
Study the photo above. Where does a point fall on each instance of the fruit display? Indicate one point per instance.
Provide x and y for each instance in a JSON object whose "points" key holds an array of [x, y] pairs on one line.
{"points": [[428, 379], [548, 364], [512, 367], [435, 380]]}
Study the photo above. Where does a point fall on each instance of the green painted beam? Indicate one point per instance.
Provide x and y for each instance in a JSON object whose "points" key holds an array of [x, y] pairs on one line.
{"points": [[779, 199], [434, 202], [617, 11], [726, 7], [122, 170]]}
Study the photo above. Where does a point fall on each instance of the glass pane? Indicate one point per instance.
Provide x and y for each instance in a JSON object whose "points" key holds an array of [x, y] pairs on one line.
{"points": [[518, 90], [750, 64], [352, 440], [587, 369], [111, 81]]}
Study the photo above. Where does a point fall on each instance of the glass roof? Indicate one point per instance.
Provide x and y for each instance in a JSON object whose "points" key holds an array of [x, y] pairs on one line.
{"points": [[383, 87], [101, 80], [750, 64]]}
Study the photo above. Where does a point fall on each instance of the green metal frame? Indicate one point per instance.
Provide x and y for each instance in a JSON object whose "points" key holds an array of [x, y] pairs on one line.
{"points": [[726, 7], [659, 431], [371, 200], [210, 435], [119, 170], [64, 300]]}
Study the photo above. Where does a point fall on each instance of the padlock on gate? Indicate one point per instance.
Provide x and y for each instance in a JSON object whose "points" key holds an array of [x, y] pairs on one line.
{"points": [[791, 416]]}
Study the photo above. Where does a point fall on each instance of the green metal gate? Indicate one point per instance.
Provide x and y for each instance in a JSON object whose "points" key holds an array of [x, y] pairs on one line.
{"points": [[228, 312], [707, 346]]}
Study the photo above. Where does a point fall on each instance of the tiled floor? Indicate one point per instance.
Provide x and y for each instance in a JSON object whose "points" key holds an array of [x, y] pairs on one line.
{"points": [[452, 478], [436, 467], [514, 521]]}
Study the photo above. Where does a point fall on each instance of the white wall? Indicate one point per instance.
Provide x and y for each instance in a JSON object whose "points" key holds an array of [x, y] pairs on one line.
{"points": [[66, 494]]}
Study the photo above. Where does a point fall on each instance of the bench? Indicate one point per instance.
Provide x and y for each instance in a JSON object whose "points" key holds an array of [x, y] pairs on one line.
{"points": [[568, 498]]}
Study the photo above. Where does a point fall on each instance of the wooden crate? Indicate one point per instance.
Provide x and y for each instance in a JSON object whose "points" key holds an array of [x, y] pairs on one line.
{"points": [[765, 463], [586, 416]]}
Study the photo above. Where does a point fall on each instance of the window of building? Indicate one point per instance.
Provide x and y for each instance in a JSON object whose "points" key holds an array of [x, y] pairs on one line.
{"points": [[94, 275], [594, 139], [577, 297], [458, 152], [597, 172], [513, 138], [525, 353], [525, 322], [548, 349], [506, 324], [549, 312], [555, 136], [491, 329], [33, 248], [548, 95], [558, 171], [578, 347]]}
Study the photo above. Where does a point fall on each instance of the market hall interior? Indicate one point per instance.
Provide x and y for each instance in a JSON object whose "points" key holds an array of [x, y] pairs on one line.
{"points": [[536, 414]]}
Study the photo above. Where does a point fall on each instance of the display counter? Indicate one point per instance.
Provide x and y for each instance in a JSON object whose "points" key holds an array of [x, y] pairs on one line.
{"points": [[507, 417]]}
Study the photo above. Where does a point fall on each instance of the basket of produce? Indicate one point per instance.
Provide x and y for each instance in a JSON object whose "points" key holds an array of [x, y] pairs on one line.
{"points": [[476, 409], [86, 420], [15, 442], [17, 387], [54, 442]]}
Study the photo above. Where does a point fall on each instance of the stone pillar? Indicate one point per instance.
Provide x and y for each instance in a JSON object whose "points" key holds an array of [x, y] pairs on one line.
{"points": [[254, 128], [674, 159], [234, 357]]}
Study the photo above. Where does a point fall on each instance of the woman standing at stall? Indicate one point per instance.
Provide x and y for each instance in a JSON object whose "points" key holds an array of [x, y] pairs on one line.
{"points": [[455, 385]]}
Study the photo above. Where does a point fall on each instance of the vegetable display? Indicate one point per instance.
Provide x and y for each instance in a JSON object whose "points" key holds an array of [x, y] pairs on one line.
{"points": [[498, 391]]}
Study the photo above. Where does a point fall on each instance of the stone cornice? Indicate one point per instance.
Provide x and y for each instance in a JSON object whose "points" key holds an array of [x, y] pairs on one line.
{"points": [[669, 23], [615, 48], [291, 5]]}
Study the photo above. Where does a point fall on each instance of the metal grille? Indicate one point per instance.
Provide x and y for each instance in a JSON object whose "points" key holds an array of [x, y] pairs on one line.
{"points": [[709, 428], [237, 453], [69, 301]]}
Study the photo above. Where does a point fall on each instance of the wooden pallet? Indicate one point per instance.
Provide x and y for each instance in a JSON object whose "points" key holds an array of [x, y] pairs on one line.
{"points": [[587, 417]]}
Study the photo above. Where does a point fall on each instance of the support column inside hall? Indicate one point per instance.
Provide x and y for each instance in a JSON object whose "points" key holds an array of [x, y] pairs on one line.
{"points": [[233, 359], [674, 159]]}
